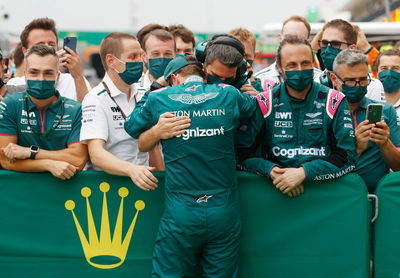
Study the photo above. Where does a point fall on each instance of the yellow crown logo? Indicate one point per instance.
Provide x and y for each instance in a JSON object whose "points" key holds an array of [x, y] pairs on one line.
{"points": [[105, 246]]}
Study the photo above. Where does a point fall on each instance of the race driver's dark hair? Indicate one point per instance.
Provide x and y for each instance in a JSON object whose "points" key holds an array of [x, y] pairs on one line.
{"points": [[292, 39], [226, 49]]}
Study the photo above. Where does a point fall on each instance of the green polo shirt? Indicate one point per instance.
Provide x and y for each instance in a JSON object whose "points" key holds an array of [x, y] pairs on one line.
{"points": [[14, 111], [371, 165]]}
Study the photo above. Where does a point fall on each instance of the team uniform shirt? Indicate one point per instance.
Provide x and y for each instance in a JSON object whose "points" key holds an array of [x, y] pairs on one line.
{"points": [[65, 85], [102, 119], [371, 165], [145, 82], [202, 204], [64, 116], [316, 133], [397, 108]]}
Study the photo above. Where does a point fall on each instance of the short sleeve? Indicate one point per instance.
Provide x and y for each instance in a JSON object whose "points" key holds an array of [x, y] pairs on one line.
{"points": [[94, 119], [8, 117]]}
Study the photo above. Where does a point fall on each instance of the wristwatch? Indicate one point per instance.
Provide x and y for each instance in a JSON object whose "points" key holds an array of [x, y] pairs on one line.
{"points": [[34, 150]]}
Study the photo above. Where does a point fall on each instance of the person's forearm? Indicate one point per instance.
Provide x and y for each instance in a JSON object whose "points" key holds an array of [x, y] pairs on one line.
{"points": [[26, 165], [81, 88], [391, 154], [109, 163], [156, 159], [75, 156], [148, 140]]}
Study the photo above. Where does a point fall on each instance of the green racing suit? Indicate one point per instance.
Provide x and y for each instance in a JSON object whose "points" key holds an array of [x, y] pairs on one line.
{"points": [[201, 221], [316, 133]]}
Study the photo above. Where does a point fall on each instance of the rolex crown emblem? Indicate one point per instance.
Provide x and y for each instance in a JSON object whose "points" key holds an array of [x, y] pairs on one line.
{"points": [[115, 246]]}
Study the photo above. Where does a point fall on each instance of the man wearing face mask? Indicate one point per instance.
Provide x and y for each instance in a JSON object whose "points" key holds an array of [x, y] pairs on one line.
{"points": [[337, 35], [305, 134], [377, 143], [106, 107], [39, 128], [388, 67], [159, 49]]}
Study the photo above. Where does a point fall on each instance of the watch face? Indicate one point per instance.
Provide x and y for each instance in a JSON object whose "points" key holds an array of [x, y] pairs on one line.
{"points": [[34, 148]]}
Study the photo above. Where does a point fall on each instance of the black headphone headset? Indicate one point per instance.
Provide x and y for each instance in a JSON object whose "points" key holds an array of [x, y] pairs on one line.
{"points": [[241, 75]]}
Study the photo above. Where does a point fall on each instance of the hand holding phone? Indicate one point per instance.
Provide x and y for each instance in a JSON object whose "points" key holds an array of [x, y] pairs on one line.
{"points": [[70, 42]]}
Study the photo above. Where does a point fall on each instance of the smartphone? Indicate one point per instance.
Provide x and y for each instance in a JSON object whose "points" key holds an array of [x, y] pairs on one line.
{"points": [[374, 112], [71, 43]]}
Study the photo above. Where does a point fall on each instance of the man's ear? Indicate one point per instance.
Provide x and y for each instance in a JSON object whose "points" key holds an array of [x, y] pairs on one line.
{"points": [[24, 50], [334, 79], [109, 59], [144, 57], [353, 46]]}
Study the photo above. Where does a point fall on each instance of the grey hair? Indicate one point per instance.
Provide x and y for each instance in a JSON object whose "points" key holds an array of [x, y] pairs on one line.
{"points": [[226, 54], [42, 50], [349, 57]]}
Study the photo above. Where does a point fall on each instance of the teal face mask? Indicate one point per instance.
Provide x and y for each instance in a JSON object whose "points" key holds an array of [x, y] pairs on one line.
{"points": [[328, 55], [133, 72], [211, 79], [41, 89], [250, 62], [354, 94], [390, 80], [157, 66], [299, 80]]}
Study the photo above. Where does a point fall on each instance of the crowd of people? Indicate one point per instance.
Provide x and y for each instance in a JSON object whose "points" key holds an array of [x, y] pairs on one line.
{"points": [[200, 113]]}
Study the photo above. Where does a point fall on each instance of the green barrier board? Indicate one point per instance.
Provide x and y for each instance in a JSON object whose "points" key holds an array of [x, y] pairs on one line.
{"points": [[387, 228], [45, 230]]}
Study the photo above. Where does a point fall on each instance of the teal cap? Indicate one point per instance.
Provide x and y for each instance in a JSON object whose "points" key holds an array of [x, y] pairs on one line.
{"points": [[175, 65]]}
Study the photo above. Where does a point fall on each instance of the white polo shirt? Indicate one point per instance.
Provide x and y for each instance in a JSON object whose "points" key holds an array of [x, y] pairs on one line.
{"points": [[65, 85], [102, 119]]}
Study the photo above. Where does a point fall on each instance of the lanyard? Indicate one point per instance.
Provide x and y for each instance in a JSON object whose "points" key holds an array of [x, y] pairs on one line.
{"points": [[46, 132], [109, 93]]}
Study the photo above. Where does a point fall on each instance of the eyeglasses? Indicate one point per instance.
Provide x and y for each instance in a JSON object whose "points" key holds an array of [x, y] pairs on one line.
{"points": [[352, 82], [334, 44]]}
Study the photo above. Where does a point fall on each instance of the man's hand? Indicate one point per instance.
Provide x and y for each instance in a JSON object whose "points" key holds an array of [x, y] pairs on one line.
{"points": [[142, 177], [314, 43], [62, 169], [276, 172], [362, 133], [298, 190], [13, 151], [380, 134], [290, 179], [249, 89], [169, 126], [362, 43], [71, 61]]}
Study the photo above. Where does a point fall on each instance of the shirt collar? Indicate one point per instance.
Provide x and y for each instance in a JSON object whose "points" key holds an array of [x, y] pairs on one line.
{"points": [[194, 78], [364, 103], [114, 91], [54, 107]]}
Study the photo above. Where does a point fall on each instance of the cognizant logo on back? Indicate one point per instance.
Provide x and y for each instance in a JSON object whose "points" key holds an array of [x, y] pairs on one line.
{"points": [[201, 132], [290, 153]]}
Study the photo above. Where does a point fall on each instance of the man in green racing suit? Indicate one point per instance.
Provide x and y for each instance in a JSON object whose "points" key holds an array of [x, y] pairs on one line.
{"points": [[201, 222]]}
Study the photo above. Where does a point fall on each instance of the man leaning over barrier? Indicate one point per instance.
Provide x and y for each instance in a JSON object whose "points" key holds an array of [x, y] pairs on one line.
{"points": [[39, 129], [306, 133]]}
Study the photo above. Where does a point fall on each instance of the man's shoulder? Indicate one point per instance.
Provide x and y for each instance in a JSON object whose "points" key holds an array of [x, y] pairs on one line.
{"points": [[10, 102], [17, 81], [72, 105]]}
